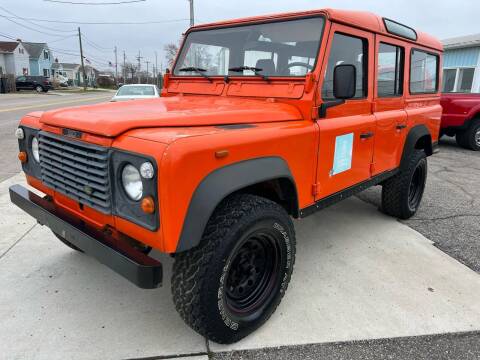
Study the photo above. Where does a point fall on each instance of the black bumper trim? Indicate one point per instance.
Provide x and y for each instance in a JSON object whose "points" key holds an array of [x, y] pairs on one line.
{"points": [[140, 269]]}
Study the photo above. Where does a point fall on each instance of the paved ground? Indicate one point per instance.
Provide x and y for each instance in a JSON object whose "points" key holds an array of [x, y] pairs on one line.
{"points": [[365, 285], [450, 211], [14, 106], [359, 275]]}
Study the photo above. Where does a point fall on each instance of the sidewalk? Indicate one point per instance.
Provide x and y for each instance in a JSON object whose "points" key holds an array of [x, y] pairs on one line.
{"points": [[358, 275]]}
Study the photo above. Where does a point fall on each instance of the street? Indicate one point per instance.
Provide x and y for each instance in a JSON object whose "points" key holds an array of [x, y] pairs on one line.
{"points": [[364, 283], [14, 106]]}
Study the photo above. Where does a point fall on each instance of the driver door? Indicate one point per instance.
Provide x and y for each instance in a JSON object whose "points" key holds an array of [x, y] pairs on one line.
{"points": [[346, 131]]}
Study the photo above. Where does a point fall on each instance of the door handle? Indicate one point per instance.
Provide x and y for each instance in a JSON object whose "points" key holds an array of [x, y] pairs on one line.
{"points": [[366, 135], [401, 126]]}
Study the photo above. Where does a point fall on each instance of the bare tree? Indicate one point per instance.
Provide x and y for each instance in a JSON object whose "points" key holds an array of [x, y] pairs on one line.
{"points": [[130, 71], [171, 51]]}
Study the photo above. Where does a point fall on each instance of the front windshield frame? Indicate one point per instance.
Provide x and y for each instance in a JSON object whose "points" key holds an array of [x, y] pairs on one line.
{"points": [[185, 44]]}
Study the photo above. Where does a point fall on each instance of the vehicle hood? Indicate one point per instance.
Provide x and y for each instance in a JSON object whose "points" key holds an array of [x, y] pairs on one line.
{"points": [[112, 119]]}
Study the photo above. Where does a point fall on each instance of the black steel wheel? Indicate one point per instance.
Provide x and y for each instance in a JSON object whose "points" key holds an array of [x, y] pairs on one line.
{"points": [[233, 281], [402, 193]]}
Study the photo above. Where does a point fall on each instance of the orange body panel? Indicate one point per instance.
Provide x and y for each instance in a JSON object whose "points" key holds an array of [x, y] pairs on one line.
{"points": [[185, 129]]}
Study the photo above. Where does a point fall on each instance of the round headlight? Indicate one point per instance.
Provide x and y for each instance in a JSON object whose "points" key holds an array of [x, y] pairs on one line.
{"points": [[132, 183], [146, 170], [35, 151]]}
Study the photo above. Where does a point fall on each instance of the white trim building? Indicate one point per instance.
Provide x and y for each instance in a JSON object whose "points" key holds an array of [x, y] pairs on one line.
{"points": [[461, 64]]}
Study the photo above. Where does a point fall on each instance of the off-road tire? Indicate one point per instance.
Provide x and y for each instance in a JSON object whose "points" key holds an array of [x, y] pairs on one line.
{"points": [[69, 244], [396, 191], [200, 275], [470, 138]]}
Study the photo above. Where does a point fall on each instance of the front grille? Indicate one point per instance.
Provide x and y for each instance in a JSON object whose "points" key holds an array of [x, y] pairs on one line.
{"points": [[77, 170]]}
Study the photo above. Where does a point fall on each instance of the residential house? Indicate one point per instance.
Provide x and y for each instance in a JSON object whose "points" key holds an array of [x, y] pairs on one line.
{"points": [[14, 58], [74, 73], [40, 58], [461, 64]]}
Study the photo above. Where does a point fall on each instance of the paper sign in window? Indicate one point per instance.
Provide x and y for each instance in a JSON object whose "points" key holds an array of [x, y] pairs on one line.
{"points": [[342, 160]]}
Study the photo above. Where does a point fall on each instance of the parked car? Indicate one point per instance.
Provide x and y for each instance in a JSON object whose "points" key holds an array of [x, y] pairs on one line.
{"points": [[461, 118], [136, 92], [283, 118], [37, 83]]}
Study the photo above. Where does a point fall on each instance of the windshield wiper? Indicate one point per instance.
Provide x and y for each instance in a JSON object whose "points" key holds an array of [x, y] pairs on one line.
{"points": [[198, 70], [255, 70]]}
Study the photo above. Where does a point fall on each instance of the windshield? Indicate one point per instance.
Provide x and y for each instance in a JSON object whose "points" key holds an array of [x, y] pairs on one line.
{"points": [[136, 91], [286, 48]]}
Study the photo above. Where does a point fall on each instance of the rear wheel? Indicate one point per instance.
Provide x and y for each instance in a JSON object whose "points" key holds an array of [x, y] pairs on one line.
{"points": [[233, 281], [470, 138], [402, 194], [38, 89]]}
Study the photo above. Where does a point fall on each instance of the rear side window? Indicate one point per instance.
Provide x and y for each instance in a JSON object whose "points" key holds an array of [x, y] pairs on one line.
{"points": [[347, 50], [423, 72], [390, 70]]}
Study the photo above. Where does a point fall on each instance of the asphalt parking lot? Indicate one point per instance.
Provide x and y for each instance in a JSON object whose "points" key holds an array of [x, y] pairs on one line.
{"points": [[365, 285]]}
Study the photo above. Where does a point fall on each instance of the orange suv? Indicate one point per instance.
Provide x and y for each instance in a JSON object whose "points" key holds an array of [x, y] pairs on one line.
{"points": [[261, 120]]}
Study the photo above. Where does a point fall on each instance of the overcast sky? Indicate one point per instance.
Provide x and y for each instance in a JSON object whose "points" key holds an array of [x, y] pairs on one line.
{"points": [[441, 18]]}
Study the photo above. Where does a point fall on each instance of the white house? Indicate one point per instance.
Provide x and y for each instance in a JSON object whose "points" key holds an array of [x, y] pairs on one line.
{"points": [[14, 58], [461, 64], [74, 73]]}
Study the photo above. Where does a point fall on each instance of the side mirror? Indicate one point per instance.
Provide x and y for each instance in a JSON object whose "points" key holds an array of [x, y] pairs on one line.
{"points": [[344, 87], [344, 81]]}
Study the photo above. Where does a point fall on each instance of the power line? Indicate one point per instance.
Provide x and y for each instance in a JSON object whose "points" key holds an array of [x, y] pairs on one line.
{"points": [[96, 22], [28, 27], [41, 26], [8, 36], [94, 3]]}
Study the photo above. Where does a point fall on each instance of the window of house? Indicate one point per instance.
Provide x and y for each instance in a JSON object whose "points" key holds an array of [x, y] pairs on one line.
{"points": [[449, 77], [458, 80], [46, 54], [466, 79], [1, 70], [46, 72], [25, 71], [423, 72], [20, 50], [390, 70], [347, 50]]}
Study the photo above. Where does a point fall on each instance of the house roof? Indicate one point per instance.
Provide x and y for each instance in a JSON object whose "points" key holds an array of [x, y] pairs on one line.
{"points": [[8, 46], [462, 42], [35, 49]]}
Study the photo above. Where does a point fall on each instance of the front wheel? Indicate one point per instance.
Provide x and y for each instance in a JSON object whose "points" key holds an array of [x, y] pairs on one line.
{"points": [[38, 89], [231, 283], [402, 194]]}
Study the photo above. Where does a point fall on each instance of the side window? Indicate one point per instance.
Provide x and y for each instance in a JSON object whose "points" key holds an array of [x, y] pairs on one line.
{"points": [[390, 70], [423, 72], [347, 50]]}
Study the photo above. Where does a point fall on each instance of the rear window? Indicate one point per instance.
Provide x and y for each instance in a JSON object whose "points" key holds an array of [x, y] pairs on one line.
{"points": [[423, 72], [136, 91]]}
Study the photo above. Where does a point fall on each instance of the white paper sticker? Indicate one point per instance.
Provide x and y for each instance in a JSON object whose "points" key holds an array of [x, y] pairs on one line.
{"points": [[342, 160]]}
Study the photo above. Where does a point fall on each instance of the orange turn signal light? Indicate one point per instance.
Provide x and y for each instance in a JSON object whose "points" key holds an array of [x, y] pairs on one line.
{"points": [[148, 205], [22, 156]]}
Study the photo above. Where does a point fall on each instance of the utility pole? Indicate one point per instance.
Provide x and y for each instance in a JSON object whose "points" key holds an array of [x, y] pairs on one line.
{"points": [[148, 75], [81, 58], [156, 69], [124, 68], [116, 66], [139, 58], [192, 15]]}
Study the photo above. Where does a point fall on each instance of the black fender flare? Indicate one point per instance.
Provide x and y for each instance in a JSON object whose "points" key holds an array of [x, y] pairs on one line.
{"points": [[414, 135], [222, 182]]}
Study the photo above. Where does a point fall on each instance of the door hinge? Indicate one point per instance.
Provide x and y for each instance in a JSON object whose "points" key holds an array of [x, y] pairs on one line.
{"points": [[315, 189]]}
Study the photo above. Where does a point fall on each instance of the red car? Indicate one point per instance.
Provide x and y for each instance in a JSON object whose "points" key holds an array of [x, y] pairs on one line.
{"points": [[461, 118]]}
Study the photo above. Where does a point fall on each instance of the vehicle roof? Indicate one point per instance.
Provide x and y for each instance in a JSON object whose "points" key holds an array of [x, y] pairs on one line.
{"points": [[138, 85], [360, 19]]}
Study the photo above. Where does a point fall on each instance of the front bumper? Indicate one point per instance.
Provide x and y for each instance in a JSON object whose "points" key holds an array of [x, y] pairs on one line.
{"points": [[140, 269]]}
